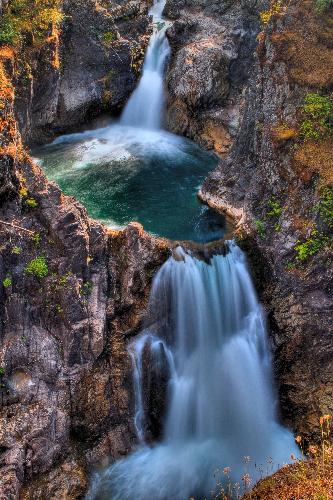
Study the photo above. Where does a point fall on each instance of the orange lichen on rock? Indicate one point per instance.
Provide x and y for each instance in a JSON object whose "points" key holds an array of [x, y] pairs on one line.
{"points": [[282, 133]]}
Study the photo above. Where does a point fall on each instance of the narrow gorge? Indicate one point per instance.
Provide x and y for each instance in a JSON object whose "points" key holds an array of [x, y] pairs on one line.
{"points": [[166, 269]]}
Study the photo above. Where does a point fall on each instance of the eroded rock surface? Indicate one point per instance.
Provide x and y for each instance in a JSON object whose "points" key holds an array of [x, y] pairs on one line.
{"points": [[89, 65], [274, 197], [212, 53], [72, 294]]}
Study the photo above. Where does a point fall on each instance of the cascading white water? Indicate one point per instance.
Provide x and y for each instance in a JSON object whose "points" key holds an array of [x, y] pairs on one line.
{"points": [[222, 404], [145, 106]]}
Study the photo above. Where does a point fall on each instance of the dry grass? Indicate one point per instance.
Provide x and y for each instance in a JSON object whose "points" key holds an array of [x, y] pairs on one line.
{"points": [[307, 479], [306, 46], [315, 157]]}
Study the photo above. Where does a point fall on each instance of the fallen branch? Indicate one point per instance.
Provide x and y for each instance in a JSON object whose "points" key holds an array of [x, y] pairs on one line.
{"points": [[15, 226]]}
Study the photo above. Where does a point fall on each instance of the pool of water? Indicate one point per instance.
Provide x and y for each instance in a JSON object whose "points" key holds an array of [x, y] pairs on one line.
{"points": [[122, 174]]}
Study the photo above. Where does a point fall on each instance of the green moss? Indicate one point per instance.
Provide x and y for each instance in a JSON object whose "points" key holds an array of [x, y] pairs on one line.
{"points": [[86, 289], [7, 282], [308, 248], [31, 203], [8, 33], [109, 37], [36, 238], [38, 267]]}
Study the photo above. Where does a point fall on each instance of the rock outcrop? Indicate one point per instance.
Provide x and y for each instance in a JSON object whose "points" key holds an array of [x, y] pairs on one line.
{"points": [[89, 64], [72, 292], [278, 199], [213, 44]]}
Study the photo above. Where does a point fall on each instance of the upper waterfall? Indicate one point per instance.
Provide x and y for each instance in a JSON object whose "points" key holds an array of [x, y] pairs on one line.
{"points": [[145, 106], [221, 403]]}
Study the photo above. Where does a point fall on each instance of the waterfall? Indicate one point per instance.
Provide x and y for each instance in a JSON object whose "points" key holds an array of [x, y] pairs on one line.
{"points": [[145, 106], [221, 404]]}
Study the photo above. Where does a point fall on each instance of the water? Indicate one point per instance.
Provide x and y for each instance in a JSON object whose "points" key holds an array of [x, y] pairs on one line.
{"points": [[202, 359], [135, 170], [123, 173], [221, 403], [146, 105]]}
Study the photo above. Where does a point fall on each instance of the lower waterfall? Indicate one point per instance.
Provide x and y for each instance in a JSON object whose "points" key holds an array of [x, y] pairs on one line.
{"points": [[206, 325]]}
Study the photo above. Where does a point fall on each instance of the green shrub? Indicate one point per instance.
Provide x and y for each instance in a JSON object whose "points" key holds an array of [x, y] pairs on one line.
{"points": [[308, 130], [16, 250], [325, 207], [260, 226], [7, 282], [2, 371], [108, 37], [318, 113], [322, 5], [24, 17], [31, 203], [36, 238], [308, 248], [8, 34], [275, 209], [38, 267]]}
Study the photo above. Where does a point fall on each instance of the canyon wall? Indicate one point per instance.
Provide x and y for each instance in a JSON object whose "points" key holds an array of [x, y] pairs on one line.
{"points": [[72, 294], [277, 182], [87, 65]]}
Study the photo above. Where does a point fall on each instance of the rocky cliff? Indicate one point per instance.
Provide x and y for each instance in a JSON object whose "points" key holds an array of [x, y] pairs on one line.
{"points": [[213, 45], [277, 182], [72, 293], [86, 64]]}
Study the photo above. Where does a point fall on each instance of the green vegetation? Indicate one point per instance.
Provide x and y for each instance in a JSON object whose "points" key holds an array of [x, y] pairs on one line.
{"points": [[318, 116], [320, 237], [322, 5], [31, 203], [24, 20], [260, 226], [16, 250], [325, 207], [86, 289], [309, 247], [275, 209], [7, 282], [109, 37], [38, 267], [36, 238]]}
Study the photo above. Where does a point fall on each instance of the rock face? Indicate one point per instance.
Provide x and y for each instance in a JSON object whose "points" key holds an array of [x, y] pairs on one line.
{"points": [[212, 43], [274, 197], [71, 294], [89, 65]]}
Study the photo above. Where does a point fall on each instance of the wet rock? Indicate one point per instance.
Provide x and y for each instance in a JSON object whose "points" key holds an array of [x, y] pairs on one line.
{"points": [[212, 52]]}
